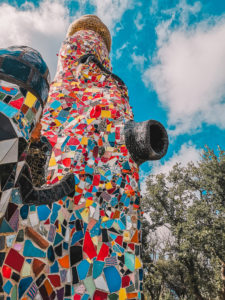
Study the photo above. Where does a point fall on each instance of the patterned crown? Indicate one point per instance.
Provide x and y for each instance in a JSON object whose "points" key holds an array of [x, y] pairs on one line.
{"points": [[91, 22]]}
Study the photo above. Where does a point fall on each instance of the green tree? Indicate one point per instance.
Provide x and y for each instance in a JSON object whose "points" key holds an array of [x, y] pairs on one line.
{"points": [[190, 203]]}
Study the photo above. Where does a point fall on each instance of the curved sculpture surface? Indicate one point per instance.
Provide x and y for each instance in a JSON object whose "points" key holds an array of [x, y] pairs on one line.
{"points": [[79, 236]]}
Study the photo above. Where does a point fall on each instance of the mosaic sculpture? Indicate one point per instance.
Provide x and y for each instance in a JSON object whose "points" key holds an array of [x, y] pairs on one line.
{"points": [[78, 234]]}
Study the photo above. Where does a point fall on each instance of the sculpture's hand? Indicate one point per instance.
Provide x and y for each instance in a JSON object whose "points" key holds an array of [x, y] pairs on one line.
{"points": [[146, 140]]}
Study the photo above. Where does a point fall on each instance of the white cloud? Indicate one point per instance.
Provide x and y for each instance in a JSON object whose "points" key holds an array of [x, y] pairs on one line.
{"points": [[182, 12], [119, 51], [188, 71], [153, 7], [138, 61], [43, 28], [139, 22], [111, 11]]}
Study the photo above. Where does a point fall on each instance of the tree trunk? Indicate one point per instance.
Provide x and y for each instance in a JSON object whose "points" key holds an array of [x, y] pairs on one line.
{"points": [[193, 281], [222, 292]]}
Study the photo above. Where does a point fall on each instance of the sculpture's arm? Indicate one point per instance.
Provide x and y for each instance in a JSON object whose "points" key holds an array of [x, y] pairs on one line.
{"points": [[45, 195], [29, 193], [146, 140]]}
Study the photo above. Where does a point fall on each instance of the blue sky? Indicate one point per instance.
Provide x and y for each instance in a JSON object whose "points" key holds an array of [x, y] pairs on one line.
{"points": [[171, 55]]}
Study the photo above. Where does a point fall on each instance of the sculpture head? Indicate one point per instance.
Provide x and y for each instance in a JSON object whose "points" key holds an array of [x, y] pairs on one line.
{"points": [[24, 85]]}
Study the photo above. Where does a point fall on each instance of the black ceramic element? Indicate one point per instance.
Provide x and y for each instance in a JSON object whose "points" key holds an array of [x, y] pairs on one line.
{"points": [[25, 67], [44, 195], [85, 59], [38, 155], [7, 131], [146, 140], [7, 175]]}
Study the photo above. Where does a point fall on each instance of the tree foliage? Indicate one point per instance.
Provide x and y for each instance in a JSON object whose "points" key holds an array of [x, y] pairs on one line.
{"points": [[189, 205]]}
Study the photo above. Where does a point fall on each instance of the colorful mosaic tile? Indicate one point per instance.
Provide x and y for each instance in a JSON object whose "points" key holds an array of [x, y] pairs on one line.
{"points": [[79, 235], [84, 122]]}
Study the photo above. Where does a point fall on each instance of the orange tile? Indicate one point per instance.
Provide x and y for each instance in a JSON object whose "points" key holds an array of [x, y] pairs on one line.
{"points": [[48, 287], [116, 214], [64, 262], [100, 143], [135, 237], [131, 295]]}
